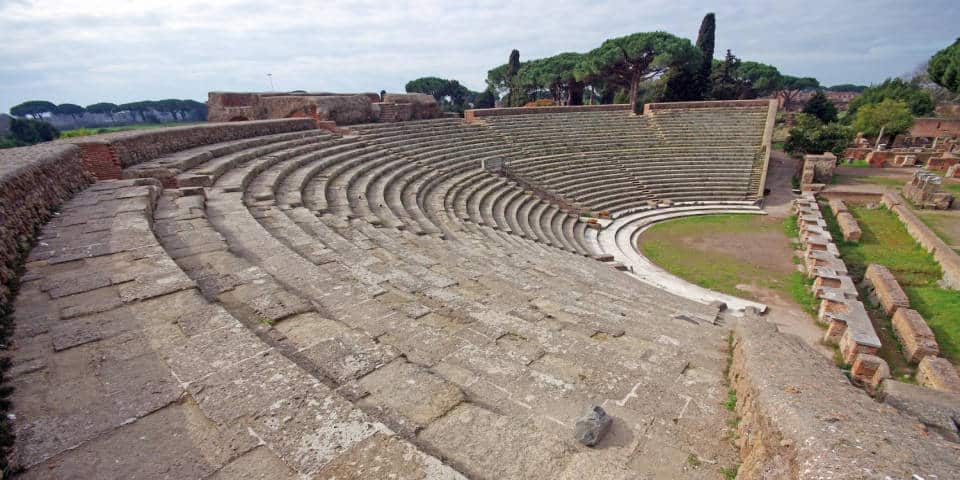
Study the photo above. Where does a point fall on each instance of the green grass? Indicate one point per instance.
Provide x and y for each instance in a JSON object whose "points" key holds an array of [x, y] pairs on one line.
{"points": [[82, 132], [857, 163], [886, 241], [731, 402], [729, 473], [885, 181], [715, 271], [778, 145], [952, 188]]}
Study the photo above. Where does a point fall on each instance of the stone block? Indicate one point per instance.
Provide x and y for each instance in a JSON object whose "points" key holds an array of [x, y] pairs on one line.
{"points": [[868, 371], [938, 373], [885, 289], [851, 345], [915, 335], [837, 206], [849, 227], [938, 411]]}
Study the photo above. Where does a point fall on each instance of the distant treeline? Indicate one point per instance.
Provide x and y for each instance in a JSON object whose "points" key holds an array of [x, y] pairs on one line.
{"points": [[69, 115]]}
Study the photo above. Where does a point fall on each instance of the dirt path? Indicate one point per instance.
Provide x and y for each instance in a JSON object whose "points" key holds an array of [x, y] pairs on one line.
{"points": [[784, 311]]}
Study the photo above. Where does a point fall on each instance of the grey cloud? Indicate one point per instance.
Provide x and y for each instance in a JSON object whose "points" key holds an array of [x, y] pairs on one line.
{"points": [[69, 51]]}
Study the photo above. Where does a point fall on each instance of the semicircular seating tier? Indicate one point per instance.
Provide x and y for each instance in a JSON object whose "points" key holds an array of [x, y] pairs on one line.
{"points": [[294, 300]]}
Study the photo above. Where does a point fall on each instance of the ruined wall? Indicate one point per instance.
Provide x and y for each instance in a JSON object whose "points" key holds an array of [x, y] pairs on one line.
{"points": [[709, 104], [932, 127], [944, 255], [33, 181], [471, 115], [800, 418], [107, 154], [343, 109]]}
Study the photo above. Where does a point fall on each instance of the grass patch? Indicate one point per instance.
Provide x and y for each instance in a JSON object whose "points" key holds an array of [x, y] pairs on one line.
{"points": [[729, 473], [82, 132], [719, 271], [856, 180], [886, 241], [731, 402], [778, 145], [857, 163], [800, 289], [951, 187]]}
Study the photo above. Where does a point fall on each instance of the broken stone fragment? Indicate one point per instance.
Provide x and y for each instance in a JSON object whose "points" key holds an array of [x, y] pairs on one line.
{"points": [[591, 427]]}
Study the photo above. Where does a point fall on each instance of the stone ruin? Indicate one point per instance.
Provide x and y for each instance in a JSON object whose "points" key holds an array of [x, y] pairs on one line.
{"points": [[264, 299], [924, 191], [817, 171], [328, 109], [846, 318]]}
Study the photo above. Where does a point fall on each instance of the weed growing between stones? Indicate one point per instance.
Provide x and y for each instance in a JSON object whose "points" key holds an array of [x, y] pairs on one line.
{"points": [[729, 473]]}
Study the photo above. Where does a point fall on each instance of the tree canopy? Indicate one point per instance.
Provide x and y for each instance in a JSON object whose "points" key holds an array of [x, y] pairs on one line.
{"points": [[33, 108], [102, 107], [553, 74], [705, 43], [890, 116], [821, 107], [450, 94], [917, 99], [626, 61], [810, 135], [70, 109], [789, 87], [944, 67], [847, 87]]}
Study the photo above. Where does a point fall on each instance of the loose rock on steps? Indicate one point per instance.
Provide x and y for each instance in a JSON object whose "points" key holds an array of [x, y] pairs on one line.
{"points": [[591, 427]]}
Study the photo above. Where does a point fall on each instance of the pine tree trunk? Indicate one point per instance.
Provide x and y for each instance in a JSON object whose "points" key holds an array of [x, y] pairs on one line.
{"points": [[634, 89]]}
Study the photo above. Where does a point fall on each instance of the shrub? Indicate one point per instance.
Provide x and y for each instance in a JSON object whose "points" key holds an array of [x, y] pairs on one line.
{"points": [[30, 132], [543, 102]]}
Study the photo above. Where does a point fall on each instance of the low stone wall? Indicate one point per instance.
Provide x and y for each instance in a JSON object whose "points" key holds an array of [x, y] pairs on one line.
{"points": [[800, 418], [33, 182], [944, 255], [884, 288], [107, 154], [472, 115], [709, 104]]}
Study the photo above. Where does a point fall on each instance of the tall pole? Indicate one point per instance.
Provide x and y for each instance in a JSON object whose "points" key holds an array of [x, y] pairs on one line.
{"points": [[270, 76]]}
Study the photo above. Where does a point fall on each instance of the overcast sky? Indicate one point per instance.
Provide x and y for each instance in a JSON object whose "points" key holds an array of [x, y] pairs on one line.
{"points": [[120, 51]]}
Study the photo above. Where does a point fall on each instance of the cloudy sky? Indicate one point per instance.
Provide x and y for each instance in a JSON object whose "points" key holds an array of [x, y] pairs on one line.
{"points": [[125, 50]]}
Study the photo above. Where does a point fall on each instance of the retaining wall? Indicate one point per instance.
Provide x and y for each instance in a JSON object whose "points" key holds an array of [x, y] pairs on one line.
{"points": [[472, 115], [33, 182], [647, 108], [105, 155], [944, 255]]}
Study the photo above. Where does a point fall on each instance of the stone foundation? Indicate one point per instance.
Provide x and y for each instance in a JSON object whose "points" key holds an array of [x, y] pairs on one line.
{"points": [[849, 227], [939, 374], [915, 335], [884, 289], [868, 371]]}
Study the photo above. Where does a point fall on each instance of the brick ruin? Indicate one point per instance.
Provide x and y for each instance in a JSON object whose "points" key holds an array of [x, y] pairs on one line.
{"points": [[846, 318], [817, 171], [924, 191], [327, 109], [262, 298]]}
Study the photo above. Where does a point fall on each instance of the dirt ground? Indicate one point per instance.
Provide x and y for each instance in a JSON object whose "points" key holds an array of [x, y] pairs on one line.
{"points": [[784, 311]]}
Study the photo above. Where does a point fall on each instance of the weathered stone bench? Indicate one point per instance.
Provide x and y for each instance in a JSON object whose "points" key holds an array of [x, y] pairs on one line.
{"points": [[939, 374], [915, 336]]}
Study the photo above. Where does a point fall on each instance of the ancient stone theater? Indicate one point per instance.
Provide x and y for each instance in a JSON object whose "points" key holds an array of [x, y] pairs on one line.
{"points": [[359, 287]]}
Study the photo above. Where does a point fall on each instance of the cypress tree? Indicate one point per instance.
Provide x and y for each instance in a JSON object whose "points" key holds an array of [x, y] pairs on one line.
{"points": [[513, 67], [705, 42]]}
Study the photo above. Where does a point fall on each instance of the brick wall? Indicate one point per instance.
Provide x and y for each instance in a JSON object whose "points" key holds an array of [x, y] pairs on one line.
{"points": [[33, 181], [138, 146]]}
